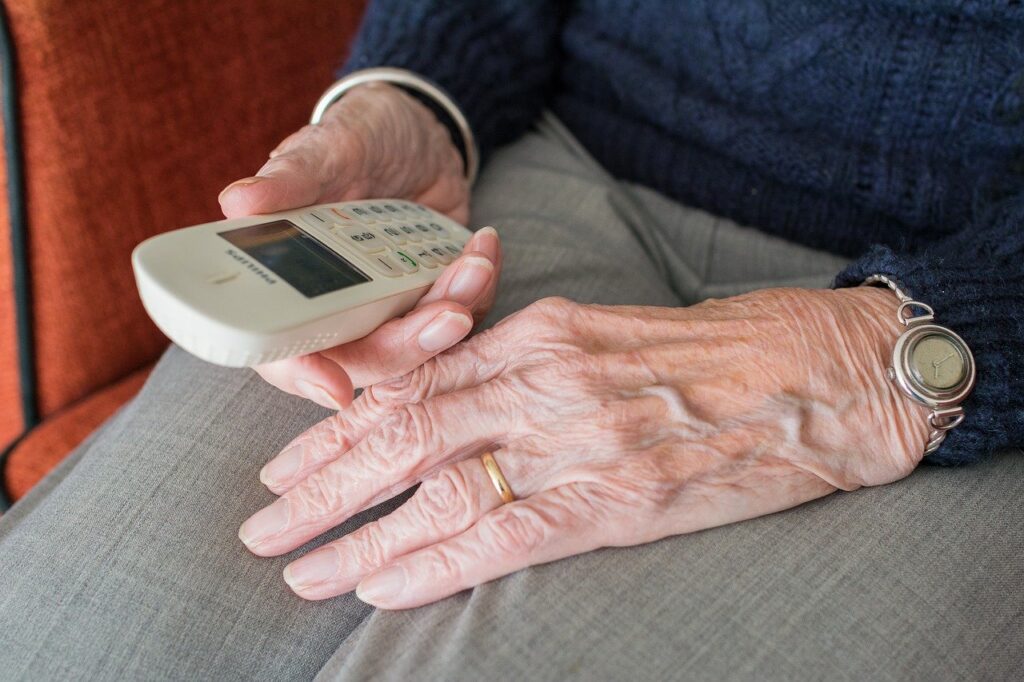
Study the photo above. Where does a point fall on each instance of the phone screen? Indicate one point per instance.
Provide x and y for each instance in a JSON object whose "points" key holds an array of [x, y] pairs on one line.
{"points": [[296, 257]]}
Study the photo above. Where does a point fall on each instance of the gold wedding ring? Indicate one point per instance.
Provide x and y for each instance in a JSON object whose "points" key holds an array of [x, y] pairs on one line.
{"points": [[497, 478]]}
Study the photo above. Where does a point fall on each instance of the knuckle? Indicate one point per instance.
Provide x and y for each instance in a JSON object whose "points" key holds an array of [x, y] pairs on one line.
{"points": [[315, 497], [370, 550], [554, 304], [552, 310], [325, 441], [541, 336], [443, 501], [381, 398], [516, 529], [444, 562], [401, 438], [411, 387], [291, 162], [330, 436]]}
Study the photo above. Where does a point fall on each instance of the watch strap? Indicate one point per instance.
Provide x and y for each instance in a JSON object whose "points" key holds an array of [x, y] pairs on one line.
{"points": [[907, 305]]}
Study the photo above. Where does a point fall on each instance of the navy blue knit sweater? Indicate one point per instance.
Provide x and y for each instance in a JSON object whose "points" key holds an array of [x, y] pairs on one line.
{"points": [[890, 131]]}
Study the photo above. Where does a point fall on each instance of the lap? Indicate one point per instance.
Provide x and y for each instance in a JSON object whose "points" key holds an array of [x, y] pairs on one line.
{"points": [[126, 563]]}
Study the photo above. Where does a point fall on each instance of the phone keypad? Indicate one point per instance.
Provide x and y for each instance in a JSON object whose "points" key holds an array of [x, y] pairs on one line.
{"points": [[396, 237]]}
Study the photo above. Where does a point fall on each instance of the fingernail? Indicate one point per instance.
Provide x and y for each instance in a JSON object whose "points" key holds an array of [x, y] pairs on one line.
{"points": [[315, 567], [444, 330], [316, 393], [470, 280], [486, 241], [282, 468], [264, 524], [382, 585], [239, 183]]}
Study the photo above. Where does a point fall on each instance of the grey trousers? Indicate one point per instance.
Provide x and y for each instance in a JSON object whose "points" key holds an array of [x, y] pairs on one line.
{"points": [[125, 562]]}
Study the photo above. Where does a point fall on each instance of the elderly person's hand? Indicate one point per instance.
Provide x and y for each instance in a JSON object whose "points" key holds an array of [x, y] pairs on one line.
{"points": [[613, 425], [377, 141]]}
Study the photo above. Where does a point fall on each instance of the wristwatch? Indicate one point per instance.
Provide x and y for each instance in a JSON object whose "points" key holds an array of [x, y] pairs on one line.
{"points": [[930, 364]]}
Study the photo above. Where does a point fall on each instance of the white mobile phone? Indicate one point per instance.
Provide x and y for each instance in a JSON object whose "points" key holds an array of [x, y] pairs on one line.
{"points": [[247, 291]]}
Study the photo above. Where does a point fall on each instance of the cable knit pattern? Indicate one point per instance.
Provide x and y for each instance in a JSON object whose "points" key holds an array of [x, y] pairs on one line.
{"points": [[890, 131], [495, 58]]}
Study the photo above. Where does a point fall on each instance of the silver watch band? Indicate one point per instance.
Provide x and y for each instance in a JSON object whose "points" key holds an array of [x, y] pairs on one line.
{"points": [[412, 81], [942, 418]]}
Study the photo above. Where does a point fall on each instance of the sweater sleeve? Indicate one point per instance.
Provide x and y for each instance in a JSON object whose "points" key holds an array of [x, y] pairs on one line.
{"points": [[494, 57], [974, 279]]}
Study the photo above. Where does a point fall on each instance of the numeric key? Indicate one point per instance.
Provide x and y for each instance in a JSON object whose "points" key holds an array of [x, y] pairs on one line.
{"points": [[363, 238]]}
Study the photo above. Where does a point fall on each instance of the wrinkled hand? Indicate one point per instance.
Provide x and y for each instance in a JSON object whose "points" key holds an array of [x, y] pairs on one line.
{"points": [[376, 141], [614, 426]]}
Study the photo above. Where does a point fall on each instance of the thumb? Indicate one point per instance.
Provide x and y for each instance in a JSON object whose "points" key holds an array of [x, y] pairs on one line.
{"points": [[286, 181]]}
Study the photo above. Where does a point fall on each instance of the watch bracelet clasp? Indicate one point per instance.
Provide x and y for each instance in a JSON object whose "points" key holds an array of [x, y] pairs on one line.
{"points": [[942, 420], [906, 316]]}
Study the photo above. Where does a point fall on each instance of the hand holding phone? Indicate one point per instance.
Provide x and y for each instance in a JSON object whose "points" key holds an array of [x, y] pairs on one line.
{"points": [[376, 141]]}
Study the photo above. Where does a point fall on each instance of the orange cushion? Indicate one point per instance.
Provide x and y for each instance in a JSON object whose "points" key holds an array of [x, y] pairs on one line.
{"points": [[10, 396], [134, 116], [47, 444]]}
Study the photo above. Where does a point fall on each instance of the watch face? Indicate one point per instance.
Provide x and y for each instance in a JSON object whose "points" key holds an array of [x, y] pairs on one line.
{"points": [[938, 361]]}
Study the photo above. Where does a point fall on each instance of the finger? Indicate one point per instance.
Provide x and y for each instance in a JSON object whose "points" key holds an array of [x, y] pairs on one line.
{"points": [[396, 347], [276, 189], [389, 351], [313, 377], [445, 504], [547, 526], [406, 447], [458, 282], [465, 366], [293, 177], [326, 378]]}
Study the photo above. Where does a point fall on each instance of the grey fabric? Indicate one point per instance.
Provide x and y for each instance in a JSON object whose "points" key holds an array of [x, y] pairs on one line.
{"points": [[125, 564]]}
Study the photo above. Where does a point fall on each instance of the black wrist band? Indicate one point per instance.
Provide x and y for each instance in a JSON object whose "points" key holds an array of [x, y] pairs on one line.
{"points": [[442, 116]]}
